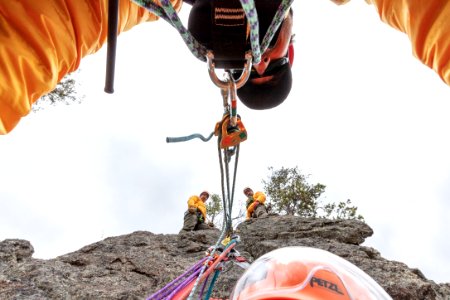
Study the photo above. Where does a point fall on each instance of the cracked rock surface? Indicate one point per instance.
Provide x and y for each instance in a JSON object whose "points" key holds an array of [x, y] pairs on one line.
{"points": [[136, 265]]}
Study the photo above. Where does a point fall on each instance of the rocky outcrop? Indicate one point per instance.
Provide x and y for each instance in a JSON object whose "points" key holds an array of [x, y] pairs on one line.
{"points": [[136, 265]]}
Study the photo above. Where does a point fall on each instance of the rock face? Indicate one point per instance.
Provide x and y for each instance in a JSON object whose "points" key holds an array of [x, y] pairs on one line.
{"points": [[136, 265]]}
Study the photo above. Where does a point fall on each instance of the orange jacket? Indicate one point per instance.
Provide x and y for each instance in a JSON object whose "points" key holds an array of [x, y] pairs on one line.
{"points": [[195, 201], [259, 197], [42, 41], [427, 24]]}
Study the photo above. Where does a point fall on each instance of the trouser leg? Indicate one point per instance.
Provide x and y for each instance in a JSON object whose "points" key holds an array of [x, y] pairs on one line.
{"points": [[190, 220], [260, 212]]}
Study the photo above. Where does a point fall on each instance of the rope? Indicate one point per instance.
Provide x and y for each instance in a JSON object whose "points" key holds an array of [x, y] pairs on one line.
{"points": [[211, 285], [203, 286], [169, 288], [252, 17], [227, 205], [204, 273], [188, 138], [276, 22], [167, 12]]}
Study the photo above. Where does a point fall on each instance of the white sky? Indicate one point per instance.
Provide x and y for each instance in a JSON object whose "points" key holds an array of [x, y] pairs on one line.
{"points": [[364, 117]]}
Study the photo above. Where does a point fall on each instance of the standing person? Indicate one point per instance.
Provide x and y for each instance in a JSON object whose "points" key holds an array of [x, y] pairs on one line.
{"points": [[195, 216], [255, 204]]}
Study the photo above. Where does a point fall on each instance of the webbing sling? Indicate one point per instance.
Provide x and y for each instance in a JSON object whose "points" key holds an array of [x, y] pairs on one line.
{"points": [[228, 34]]}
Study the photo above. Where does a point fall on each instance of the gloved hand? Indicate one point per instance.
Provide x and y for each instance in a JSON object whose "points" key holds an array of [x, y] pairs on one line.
{"points": [[192, 209]]}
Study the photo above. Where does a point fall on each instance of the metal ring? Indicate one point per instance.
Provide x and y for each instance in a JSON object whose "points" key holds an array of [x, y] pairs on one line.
{"points": [[224, 84]]}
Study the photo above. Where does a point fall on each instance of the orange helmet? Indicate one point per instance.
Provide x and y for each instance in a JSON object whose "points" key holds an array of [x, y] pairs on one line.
{"points": [[302, 273]]}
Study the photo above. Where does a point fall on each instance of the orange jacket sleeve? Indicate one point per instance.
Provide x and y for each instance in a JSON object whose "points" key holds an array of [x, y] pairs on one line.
{"points": [[202, 208], [42, 41], [193, 201], [250, 210], [260, 197], [427, 24]]}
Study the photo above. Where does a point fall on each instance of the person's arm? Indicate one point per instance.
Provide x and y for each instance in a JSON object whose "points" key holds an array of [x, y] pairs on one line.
{"points": [[192, 203], [202, 208], [427, 24], [42, 41], [248, 215], [250, 209], [260, 197]]}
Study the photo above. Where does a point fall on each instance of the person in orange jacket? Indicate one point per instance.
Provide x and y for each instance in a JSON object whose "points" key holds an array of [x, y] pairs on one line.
{"points": [[255, 204], [42, 41], [195, 216]]}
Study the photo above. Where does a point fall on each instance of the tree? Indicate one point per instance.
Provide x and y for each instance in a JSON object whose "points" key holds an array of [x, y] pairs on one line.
{"points": [[342, 210], [64, 92], [214, 208], [291, 194]]}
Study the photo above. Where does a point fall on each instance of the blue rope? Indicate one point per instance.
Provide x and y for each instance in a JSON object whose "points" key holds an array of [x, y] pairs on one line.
{"points": [[189, 137], [211, 285]]}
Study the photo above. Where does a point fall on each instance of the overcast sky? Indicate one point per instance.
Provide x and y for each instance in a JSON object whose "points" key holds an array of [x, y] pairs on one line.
{"points": [[364, 117]]}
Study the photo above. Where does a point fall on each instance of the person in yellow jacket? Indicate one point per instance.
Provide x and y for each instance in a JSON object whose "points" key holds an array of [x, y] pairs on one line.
{"points": [[195, 216], [255, 204]]}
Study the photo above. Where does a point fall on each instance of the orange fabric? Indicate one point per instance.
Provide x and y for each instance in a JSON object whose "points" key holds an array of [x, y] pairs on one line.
{"points": [[288, 281], [195, 201], [427, 24], [42, 41]]}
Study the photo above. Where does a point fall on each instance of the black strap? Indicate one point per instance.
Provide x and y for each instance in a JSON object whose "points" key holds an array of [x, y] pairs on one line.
{"points": [[228, 34]]}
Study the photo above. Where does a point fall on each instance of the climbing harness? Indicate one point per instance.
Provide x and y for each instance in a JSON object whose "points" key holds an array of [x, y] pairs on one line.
{"points": [[166, 11]]}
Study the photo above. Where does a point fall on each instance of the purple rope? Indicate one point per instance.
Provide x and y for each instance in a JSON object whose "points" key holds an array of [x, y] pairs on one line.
{"points": [[175, 289], [184, 283], [203, 286], [165, 289]]}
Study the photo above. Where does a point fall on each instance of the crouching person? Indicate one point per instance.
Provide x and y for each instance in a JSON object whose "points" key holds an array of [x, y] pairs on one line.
{"points": [[195, 216], [255, 204]]}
